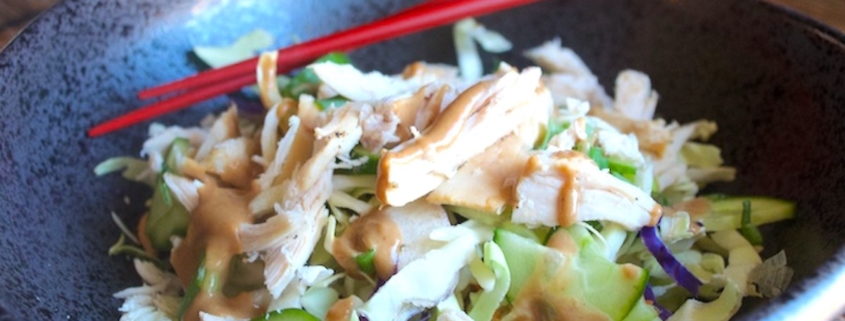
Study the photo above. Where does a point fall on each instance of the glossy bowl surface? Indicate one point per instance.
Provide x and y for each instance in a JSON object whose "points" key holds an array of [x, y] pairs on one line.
{"points": [[773, 80]]}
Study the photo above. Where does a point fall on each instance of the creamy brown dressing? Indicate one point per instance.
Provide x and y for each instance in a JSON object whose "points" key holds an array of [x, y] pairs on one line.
{"points": [[428, 113], [563, 243], [439, 136], [231, 161], [146, 244], [414, 69], [406, 110], [212, 238], [374, 230], [656, 213], [570, 192], [287, 108], [301, 150], [341, 310], [697, 208]]}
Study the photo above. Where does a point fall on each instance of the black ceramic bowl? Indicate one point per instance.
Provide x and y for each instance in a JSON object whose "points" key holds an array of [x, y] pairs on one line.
{"points": [[773, 80]]}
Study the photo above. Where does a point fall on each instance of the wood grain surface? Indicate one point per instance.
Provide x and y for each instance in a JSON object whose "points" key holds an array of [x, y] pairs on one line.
{"points": [[831, 12]]}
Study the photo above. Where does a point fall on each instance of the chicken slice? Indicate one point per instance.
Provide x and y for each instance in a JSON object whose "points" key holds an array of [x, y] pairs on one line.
{"points": [[479, 117], [301, 205], [565, 187], [486, 181]]}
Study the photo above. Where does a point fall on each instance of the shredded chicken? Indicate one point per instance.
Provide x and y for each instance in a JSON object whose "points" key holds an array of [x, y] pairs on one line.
{"points": [[478, 118], [561, 188], [231, 161], [569, 76], [486, 181], [302, 204]]}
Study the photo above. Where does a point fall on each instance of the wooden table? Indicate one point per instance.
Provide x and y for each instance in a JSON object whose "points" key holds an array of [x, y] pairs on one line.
{"points": [[831, 12]]}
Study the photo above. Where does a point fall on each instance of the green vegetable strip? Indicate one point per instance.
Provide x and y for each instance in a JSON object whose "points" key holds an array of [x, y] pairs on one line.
{"points": [[329, 103], [552, 129], [726, 212], [167, 217], [132, 167], [193, 290], [306, 81], [748, 230], [366, 261], [597, 154], [122, 248], [622, 168], [368, 168], [178, 150]]}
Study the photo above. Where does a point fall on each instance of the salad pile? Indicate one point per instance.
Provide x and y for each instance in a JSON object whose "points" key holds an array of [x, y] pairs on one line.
{"points": [[443, 194]]}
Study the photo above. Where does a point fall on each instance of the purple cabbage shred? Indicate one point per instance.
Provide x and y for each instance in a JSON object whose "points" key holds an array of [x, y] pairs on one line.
{"points": [[668, 262], [664, 313]]}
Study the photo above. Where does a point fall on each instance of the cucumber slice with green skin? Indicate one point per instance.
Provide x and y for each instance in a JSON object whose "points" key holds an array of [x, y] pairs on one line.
{"points": [[178, 150], [726, 213], [167, 216], [585, 279], [287, 315], [522, 255], [642, 311]]}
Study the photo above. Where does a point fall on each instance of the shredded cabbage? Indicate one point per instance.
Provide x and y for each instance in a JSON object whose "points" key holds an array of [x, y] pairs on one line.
{"points": [[245, 47], [487, 303]]}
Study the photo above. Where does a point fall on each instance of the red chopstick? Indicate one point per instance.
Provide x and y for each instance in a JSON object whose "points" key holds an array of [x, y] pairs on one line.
{"points": [[289, 57], [231, 78]]}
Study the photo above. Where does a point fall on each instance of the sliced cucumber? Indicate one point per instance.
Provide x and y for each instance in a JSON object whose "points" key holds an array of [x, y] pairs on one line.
{"points": [[586, 278], [726, 212], [178, 149], [642, 311], [168, 216], [522, 255]]}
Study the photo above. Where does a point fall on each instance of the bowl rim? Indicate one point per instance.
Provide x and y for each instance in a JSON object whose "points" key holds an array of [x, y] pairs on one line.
{"points": [[814, 297]]}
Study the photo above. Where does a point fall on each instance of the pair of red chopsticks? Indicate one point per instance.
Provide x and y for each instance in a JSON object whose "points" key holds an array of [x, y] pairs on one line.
{"points": [[216, 82]]}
